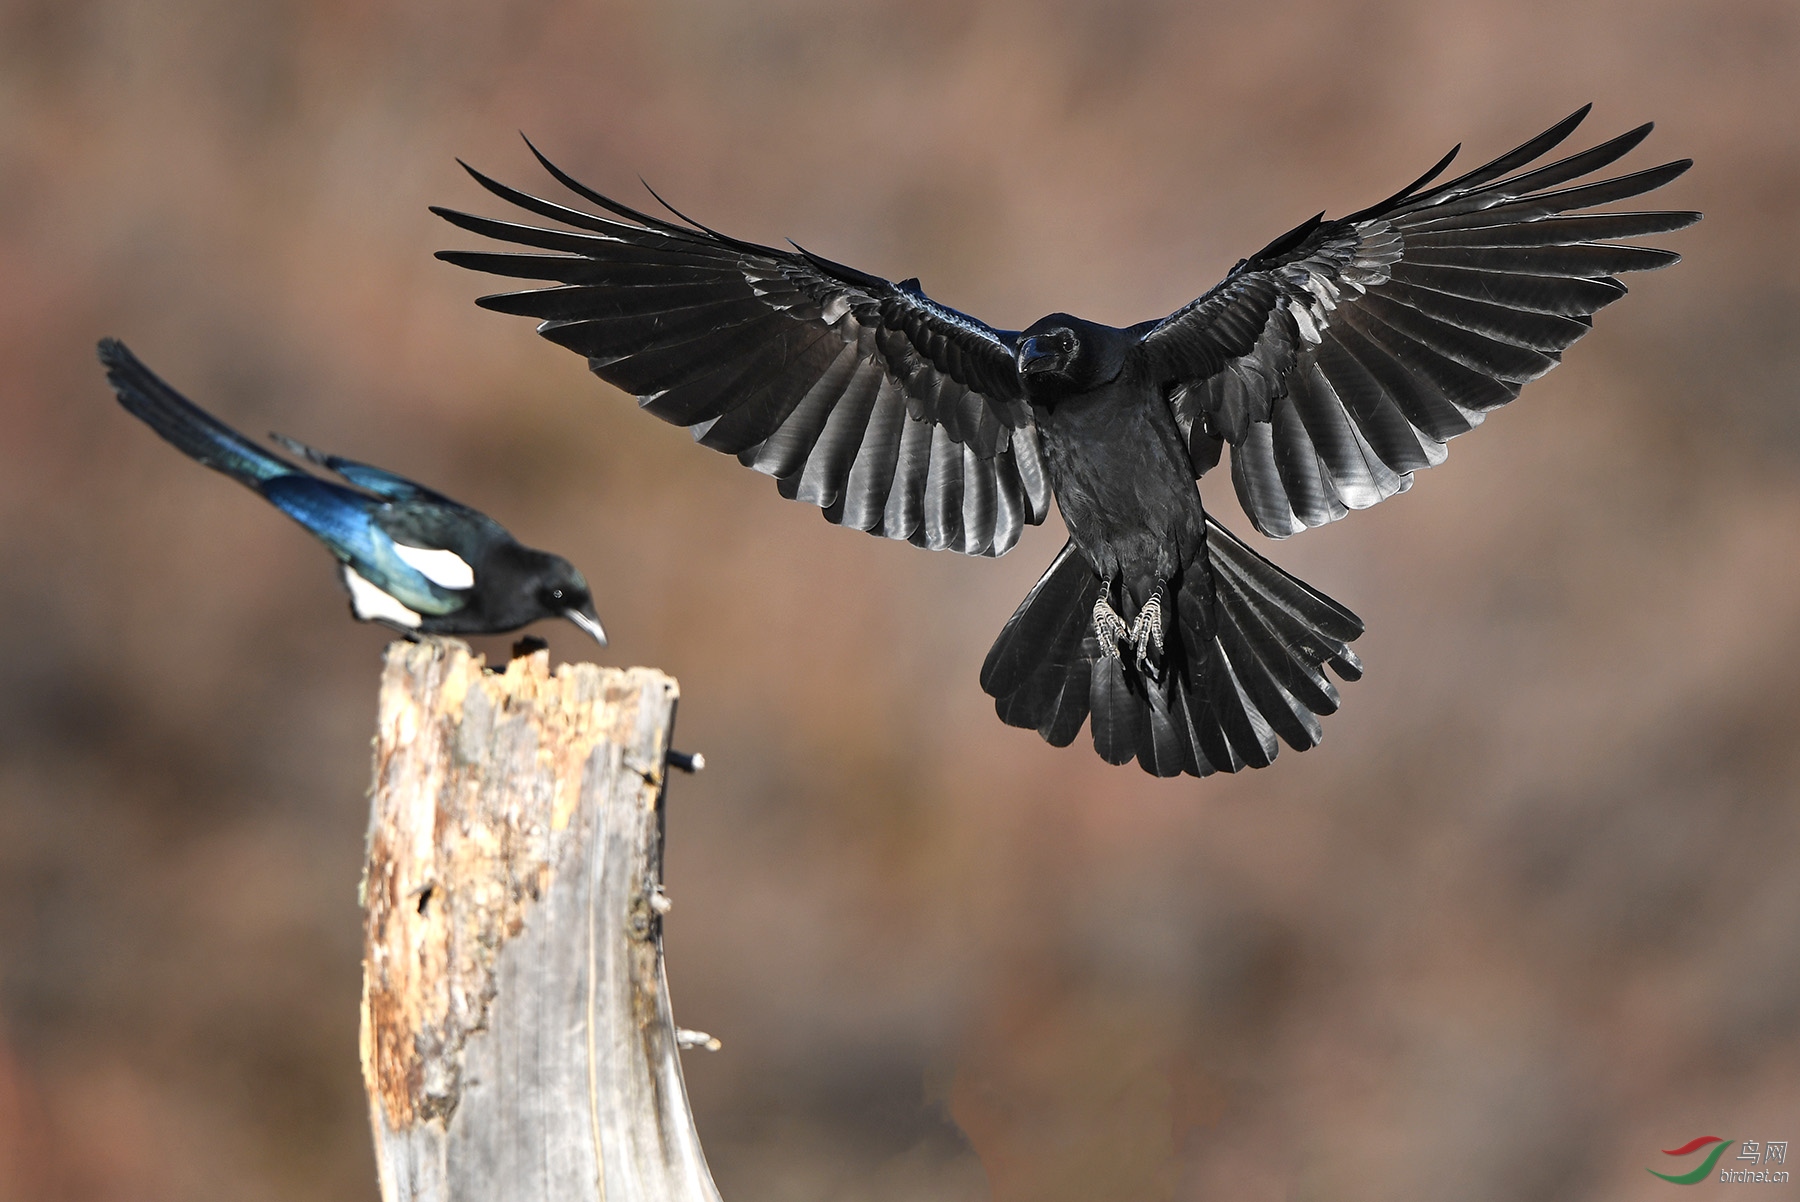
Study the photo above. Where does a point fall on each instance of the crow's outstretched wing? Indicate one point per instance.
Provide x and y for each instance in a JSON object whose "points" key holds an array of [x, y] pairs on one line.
{"points": [[894, 414], [1339, 359]]}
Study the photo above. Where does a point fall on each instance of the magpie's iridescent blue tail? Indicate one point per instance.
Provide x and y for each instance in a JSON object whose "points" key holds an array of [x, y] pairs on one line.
{"points": [[338, 516], [196, 433]]}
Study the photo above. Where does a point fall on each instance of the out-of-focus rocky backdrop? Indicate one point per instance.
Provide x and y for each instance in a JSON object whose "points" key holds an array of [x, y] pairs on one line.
{"points": [[1531, 912]]}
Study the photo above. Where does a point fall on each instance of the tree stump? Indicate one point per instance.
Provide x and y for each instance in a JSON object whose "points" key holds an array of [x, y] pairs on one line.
{"points": [[517, 1041]]}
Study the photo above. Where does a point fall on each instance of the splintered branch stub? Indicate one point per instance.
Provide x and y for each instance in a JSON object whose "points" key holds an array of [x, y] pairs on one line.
{"points": [[517, 1041]]}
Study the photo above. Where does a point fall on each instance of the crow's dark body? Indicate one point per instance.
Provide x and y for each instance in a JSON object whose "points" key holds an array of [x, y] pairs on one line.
{"points": [[1123, 482], [1334, 363]]}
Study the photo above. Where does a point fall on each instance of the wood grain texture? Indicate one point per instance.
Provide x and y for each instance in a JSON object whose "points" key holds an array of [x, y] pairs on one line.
{"points": [[517, 1041]]}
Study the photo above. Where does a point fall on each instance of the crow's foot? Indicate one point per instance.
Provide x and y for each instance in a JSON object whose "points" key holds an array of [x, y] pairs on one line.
{"points": [[1109, 626], [1147, 636], [1144, 635]]}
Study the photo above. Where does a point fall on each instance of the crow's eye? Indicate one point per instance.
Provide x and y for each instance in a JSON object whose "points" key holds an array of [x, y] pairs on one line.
{"points": [[556, 594]]}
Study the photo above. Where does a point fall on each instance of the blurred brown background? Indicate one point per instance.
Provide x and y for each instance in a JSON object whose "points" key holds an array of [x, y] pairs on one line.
{"points": [[1528, 915]]}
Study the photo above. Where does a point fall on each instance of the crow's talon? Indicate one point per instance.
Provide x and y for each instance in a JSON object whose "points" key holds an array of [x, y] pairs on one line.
{"points": [[1147, 636], [1143, 636], [1110, 627]]}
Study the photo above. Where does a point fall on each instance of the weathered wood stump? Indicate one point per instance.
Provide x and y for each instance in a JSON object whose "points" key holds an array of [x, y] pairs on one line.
{"points": [[517, 1041]]}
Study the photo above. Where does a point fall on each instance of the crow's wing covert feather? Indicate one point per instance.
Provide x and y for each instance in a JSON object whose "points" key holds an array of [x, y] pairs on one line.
{"points": [[1339, 359], [892, 413]]}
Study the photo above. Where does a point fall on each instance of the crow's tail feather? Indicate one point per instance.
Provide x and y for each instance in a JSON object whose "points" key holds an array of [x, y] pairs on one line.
{"points": [[1038, 669], [1244, 665], [192, 430]]}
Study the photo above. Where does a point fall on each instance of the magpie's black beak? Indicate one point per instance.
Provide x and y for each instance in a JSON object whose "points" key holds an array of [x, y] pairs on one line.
{"points": [[588, 621]]}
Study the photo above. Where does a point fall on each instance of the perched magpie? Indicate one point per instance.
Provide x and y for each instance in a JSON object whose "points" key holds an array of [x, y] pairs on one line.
{"points": [[413, 559], [1335, 362]]}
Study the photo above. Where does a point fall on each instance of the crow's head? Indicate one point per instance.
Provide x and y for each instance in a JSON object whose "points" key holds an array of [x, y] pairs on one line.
{"points": [[1060, 355]]}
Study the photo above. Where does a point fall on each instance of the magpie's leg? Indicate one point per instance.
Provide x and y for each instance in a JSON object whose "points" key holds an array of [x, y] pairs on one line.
{"points": [[1146, 635], [1109, 627], [529, 644]]}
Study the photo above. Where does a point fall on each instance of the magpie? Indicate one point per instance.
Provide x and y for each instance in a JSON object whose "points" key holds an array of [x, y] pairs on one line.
{"points": [[413, 559], [1335, 362]]}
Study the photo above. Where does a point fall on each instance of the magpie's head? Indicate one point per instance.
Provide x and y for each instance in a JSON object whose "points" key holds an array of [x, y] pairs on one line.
{"points": [[1059, 355], [562, 593]]}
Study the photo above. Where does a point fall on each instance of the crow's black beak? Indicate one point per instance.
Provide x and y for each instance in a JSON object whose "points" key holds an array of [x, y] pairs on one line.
{"points": [[1035, 356], [587, 620]]}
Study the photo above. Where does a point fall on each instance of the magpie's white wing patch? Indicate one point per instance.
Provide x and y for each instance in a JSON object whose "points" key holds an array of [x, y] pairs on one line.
{"points": [[374, 605], [444, 568]]}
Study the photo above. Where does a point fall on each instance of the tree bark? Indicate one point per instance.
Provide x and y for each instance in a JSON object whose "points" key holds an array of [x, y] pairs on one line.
{"points": [[517, 1041]]}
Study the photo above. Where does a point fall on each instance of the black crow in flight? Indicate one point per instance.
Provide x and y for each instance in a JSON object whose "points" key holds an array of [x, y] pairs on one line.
{"points": [[1336, 362], [413, 560]]}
